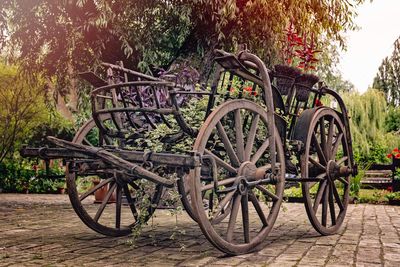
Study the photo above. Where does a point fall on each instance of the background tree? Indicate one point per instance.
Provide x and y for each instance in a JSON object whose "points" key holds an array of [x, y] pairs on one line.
{"points": [[388, 77], [58, 38], [368, 120]]}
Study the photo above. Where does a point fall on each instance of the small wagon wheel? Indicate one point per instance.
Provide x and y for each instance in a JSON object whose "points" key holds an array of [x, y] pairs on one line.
{"points": [[129, 203], [325, 159], [246, 180]]}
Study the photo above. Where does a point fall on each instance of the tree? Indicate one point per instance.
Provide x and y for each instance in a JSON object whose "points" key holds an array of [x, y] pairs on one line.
{"points": [[56, 39], [388, 77], [19, 111], [49, 35], [368, 120]]}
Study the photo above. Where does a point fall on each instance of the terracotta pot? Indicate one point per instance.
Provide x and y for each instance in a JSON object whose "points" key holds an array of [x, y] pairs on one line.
{"points": [[101, 193], [61, 190]]}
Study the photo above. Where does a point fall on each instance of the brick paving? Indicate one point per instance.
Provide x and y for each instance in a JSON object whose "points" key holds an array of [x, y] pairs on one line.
{"points": [[43, 230]]}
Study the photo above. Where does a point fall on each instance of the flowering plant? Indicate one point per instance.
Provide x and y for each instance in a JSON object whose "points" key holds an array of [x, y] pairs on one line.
{"points": [[395, 154], [238, 89], [298, 51]]}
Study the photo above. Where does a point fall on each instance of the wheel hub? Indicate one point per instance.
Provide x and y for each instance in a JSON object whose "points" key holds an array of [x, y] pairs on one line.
{"points": [[248, 170], [334, 171]]}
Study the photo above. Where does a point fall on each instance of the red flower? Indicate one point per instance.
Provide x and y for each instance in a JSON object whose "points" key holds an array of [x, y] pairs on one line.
{"points": [[389, 156], [318, 103], [389, 188], [35, 167], [232, 90], [254, 93], [397, 156], [248, 89], [396, 150]]}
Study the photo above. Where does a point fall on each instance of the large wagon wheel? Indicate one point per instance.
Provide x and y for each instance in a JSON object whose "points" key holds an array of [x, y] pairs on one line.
{"points": [[245, 180], [326, 158], [140, 197]]}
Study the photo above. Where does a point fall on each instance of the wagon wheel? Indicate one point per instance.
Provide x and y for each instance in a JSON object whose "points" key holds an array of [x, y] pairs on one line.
{"points": [[246, 180], [184, 188], [133, 203], [326, 158]]}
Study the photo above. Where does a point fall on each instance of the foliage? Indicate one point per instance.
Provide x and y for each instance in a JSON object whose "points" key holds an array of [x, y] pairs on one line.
{"points": [[388, 77], [392, 120], [50, 35], [355, 184], [300, 48], [24, 116], [374, 196], [368, 111], [328, 69], [22, 176], [20, 113], [393, 196]]}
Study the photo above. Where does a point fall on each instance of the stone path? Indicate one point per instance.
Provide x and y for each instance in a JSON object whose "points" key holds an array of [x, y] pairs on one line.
{"points": [[40, 230]]}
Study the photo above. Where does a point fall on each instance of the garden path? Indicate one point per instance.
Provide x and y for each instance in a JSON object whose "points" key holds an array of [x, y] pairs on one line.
{"points": [[44, 230]]}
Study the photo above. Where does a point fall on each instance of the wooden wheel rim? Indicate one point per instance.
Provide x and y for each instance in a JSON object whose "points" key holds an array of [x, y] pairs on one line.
{"points": [[328, 195], [83, 214], [199, 146]]}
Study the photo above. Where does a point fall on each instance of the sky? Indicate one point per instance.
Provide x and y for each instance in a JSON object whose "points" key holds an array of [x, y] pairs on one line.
{"points": [[380, 27]]}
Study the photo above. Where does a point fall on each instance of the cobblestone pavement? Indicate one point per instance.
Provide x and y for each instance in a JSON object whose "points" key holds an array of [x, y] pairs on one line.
{"points": [[44, 230]]}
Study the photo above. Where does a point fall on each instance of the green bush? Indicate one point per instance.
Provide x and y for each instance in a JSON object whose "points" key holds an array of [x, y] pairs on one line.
{"points": [[19, 176]]}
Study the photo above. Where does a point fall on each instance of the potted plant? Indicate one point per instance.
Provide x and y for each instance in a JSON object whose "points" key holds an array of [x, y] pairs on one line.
{"points": [[101, 193], [299, 54], [59, 186]]}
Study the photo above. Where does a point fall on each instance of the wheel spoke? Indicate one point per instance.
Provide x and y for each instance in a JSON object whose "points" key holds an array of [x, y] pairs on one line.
{"points": [[220, 183], [324, 214], [340, 161], [260, 151], [104, 203], [323, 134], [239, 135], [318, 196], [319, 176], [258, 208], [87, 141], [232, 217], [95, 188], [320, 152], [343, 180], [221, 163], [337, 197], [227, 144], [245, 217], [118, 207], [332, 205], [267, 192], [336, 145], [329, 141], [223, 203], [316, 163], [130, 201], [250, 137]]}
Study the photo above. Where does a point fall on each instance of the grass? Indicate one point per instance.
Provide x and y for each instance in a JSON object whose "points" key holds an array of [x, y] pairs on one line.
{"points": [[373, 196]]}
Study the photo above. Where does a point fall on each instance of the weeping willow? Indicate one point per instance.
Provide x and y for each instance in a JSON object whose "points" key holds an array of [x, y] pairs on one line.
{"points": [[367, 117]]}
